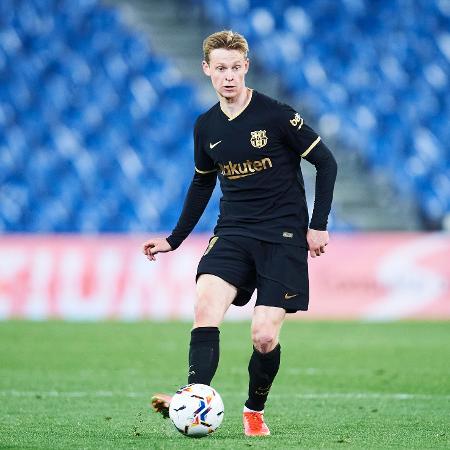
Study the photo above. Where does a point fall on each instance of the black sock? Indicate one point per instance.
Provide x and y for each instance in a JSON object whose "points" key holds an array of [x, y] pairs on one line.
{"points": [[203, 355], [262, 369]]}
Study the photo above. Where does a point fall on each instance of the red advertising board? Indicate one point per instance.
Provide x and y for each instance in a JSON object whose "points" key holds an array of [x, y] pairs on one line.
{"points": [[373, 276]]}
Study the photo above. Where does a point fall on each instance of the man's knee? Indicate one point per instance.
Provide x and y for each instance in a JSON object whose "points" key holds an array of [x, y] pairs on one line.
{"points": [[264, 339], [266, 326]]}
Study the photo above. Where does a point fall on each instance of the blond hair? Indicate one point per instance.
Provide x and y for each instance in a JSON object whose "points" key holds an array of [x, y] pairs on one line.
{"points": [[226, 39]]}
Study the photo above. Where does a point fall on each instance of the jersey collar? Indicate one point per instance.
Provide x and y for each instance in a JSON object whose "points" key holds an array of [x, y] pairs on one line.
{"points": [[230, 117]]}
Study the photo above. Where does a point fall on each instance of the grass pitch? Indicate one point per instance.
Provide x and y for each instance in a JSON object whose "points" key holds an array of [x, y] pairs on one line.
{"points": [[340, 385]]}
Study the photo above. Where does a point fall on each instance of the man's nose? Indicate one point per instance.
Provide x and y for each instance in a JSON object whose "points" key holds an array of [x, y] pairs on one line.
{"points": [[229, 75]]}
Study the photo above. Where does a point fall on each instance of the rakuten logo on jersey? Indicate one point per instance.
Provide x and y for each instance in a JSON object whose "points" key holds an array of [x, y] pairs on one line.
{"points": [[239, 170]]}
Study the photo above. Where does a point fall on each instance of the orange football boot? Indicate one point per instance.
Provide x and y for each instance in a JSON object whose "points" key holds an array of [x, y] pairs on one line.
{"points": [[254, 424], [160, 404]]}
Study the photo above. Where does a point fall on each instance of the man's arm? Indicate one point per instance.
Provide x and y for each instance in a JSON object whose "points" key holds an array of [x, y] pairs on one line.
{"points": [[304, 140], [326, 171], [197, 198], [199, 193]]}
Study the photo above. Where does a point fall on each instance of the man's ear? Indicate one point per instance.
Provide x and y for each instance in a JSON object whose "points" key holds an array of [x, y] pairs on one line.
{"points": [[206, 68], [247, 65]]}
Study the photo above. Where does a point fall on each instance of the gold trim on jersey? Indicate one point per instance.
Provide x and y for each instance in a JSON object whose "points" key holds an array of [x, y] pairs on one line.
{"points": [[204, 172], [310, 147], [230, 117]]}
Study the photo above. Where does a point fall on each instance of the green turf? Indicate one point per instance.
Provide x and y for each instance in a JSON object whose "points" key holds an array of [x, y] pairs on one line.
{"points": [[65, 385]]}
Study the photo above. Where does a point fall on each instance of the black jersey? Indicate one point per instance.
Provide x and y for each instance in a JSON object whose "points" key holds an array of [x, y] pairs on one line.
{"points": [[257, 155]]}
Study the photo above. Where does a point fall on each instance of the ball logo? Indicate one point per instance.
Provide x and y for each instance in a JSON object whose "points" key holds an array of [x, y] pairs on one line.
{"points": [[258, 138], [202, 411]]}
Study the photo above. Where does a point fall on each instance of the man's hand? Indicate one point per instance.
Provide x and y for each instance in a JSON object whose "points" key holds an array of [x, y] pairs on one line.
{"points": [[154, 246], [317, 240]]}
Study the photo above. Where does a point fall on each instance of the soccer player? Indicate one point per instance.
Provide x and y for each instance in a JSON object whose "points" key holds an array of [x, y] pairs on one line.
{"points": [[254, 145]]}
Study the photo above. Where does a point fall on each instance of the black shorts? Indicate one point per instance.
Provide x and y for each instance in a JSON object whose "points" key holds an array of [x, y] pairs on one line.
{"points": [[279, 272]]}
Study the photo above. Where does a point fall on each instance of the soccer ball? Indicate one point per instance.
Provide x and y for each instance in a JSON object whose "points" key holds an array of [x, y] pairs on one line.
{"points": [[196, 410]]}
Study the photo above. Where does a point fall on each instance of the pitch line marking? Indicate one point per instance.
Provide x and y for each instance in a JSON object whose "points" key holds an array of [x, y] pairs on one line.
{"points": [[306, 396]]}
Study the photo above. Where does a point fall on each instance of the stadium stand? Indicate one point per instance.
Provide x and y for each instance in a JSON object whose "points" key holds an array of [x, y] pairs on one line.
{"points": [[95, 127], [374, 74]]}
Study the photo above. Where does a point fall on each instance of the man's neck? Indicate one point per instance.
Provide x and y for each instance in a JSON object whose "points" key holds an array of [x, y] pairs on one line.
{"points": [[232, 106]]}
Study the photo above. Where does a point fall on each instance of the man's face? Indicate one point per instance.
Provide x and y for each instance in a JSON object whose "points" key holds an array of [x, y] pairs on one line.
{"points": [[227, 69]]}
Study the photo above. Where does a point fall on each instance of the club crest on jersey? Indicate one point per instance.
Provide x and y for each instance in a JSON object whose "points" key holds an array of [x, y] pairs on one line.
{"points": [[258, 138]]}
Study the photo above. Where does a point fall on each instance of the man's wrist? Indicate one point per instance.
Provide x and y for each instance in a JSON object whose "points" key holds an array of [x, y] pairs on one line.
{"points": [[318, 226], [173, 242]]}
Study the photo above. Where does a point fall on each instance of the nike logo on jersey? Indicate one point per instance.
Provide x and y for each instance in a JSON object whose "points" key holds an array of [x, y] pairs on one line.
{"points": [[289, 296], [211, 146]]}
